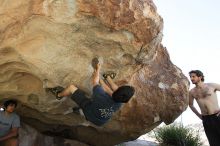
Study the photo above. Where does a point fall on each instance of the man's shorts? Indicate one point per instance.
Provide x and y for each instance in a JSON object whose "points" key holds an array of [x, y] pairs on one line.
{"points": [[211, 125], [80, 98]]}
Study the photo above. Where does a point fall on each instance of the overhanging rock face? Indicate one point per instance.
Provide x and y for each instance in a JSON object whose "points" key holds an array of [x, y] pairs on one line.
{"points": [[56, 40]]}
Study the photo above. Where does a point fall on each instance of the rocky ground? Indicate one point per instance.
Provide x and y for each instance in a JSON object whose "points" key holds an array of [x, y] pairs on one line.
{"points": [[30, 137], [149, 140]]}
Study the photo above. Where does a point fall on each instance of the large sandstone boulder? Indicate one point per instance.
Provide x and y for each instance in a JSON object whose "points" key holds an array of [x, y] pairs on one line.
{"points": [[57, 39]]}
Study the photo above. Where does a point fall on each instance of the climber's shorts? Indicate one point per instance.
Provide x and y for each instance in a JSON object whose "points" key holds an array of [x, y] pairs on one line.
{"points": [[80, 98]]}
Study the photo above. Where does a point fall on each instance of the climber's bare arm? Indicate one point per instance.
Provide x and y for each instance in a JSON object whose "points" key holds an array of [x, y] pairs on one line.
{"points": [[106, 88], [95, 77]]}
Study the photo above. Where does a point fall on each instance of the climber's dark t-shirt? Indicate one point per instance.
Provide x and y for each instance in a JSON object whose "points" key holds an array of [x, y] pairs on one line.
{"points": [[100, 107]]}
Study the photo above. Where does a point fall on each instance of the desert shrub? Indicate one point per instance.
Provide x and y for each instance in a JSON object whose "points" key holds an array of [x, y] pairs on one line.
{"points": [[177, 135]]}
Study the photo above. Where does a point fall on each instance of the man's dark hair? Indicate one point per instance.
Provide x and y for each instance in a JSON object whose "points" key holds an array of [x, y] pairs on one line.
{"points": [[123, 94], [10, 102], [198, 74]]}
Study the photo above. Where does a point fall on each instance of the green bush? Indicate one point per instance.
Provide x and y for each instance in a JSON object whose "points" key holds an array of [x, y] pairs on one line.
{"points": [[177, 135]]}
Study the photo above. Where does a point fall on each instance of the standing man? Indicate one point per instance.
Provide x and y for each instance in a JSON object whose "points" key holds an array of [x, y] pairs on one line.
{"points": [[9, 124], [206, 97]]}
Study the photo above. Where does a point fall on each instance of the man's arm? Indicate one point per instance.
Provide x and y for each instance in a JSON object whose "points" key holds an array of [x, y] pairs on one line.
{"points": [[216, 86], [191, 100], [12, 133], [95, 77]]}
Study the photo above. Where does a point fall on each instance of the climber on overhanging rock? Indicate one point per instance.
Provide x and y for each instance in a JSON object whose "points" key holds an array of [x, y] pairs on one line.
{"points": [[106, 99]]}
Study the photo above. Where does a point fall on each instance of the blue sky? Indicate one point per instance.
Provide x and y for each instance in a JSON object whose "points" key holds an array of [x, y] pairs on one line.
{"points": [[191, 36]]}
